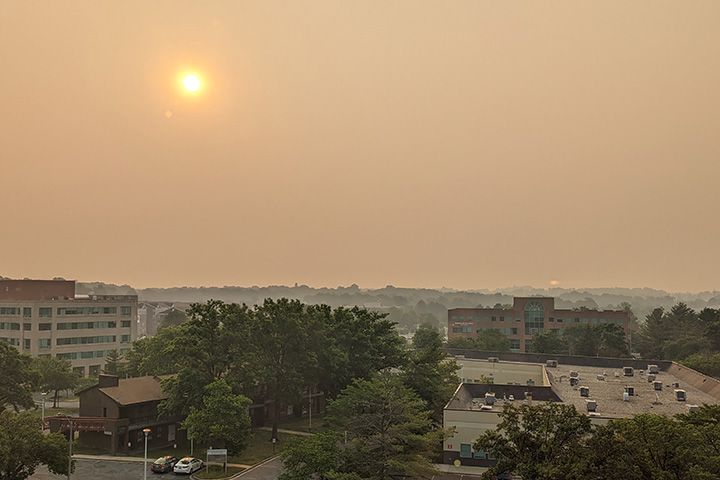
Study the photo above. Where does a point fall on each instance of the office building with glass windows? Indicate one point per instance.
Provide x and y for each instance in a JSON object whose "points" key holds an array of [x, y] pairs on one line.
{"points": [[527, 317], [46, 317]]}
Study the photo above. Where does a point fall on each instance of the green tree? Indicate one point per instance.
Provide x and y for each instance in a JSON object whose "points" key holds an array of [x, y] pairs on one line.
{"points": [[55, 375], [17, 378], [387, 427], [611, 341], [320, 455], [222, 420], [490, 340], [153, 355], [707, 363], [429, 372], [114, 364], [539, 442], [706, 423], [550, 341], [23, 446]]}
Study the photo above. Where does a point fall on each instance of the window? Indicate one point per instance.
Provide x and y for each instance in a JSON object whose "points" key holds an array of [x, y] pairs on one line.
{"points": [[465, 450], [46, 312], [528, 346], [480, 454], [126, 311], [27, 344], [577, 320], [125, 324], [27, 312], [27, 326], [79, 371], [10, 311], [502, 319], [551, 319], [85, 325], [559, 320], [492, 318], [99, 353], [87, 311], [514, 331], [104, 411], [11, 341], [86, 340], [534, 318], [67, 356], [9, 326], [44, 343], [87, 354], [515, 345], [45, 326], [125, 339]]}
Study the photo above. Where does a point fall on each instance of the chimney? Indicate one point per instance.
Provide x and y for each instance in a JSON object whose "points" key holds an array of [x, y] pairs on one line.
{"points": [[108, 380]]}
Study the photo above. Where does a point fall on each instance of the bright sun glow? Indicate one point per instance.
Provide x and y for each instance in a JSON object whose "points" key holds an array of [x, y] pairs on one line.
{"points": [[191, 83]]}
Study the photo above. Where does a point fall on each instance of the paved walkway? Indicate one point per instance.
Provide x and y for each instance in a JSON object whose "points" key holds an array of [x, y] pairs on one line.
{"points": [[270, 469], [289, 432]]}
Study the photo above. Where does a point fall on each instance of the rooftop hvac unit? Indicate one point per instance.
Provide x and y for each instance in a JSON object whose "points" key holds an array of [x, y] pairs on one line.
{"points": [[574, 381], [676, 385], [680, 395], [651, 378], [490, 398], [653, 369], [591, 405], [692, 407], [600, 377], [626, 397], [629, 371], [584, 391], [493, 359], [574, 374], [486, 407], [657, 385], [630, 390], [530, 382], [551, 363]]}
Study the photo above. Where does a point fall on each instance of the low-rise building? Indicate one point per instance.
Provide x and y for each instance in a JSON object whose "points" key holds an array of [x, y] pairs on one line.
{"points": [[528, 316]]}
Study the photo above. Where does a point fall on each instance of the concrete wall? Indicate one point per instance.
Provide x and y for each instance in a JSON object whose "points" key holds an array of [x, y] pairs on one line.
{"points": [[563, 359]]}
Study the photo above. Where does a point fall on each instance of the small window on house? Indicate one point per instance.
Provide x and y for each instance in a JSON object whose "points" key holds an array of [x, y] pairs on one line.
{"points": [[104, 411]]}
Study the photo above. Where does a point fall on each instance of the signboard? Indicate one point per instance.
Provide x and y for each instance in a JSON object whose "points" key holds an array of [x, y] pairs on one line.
{"points": [[216, 456]]}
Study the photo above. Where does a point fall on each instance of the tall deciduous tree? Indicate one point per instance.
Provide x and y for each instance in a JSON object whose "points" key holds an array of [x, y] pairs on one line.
{"points": [[17, 378], [539, 442], [23, 446], [114, 363], [55, 375], [429, 372], [222, 420]]}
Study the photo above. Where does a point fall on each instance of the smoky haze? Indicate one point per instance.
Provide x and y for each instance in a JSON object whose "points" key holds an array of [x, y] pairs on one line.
{"points": [[466, 144]]}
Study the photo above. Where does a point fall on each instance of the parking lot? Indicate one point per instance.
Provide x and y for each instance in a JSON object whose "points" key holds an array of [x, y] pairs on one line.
{"points": [[103, 470]]}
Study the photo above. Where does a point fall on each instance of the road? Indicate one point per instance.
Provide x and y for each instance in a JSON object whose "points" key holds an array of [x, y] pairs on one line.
{"points": [[269, 470]]}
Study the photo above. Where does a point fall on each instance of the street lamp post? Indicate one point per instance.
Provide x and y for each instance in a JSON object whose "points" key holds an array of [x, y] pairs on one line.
{"points": [[43, 394], [70, 442], [145, 431]]}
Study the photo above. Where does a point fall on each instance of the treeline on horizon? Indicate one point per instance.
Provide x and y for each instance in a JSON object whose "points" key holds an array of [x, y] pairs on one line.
{"points": [[411, 307]]}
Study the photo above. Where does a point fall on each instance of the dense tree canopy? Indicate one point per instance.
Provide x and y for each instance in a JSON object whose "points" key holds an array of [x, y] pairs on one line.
{"points": [[489, 340], [55, 374], [17, 378], [24, 446]]}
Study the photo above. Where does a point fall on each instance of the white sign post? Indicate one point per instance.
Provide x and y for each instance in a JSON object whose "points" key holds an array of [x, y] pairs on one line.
{"points": [[216, 455]]}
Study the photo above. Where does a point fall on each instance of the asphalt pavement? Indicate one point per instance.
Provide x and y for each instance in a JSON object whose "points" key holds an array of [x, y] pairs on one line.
{"points": [[268, 470], [100, 470]]}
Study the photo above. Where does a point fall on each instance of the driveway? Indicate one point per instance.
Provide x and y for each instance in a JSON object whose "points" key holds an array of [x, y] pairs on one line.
{"points": [[269, 470], [100, 470]]}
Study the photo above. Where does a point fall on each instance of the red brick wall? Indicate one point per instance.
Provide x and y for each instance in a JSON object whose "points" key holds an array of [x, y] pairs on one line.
{"points": [[36, 289]]}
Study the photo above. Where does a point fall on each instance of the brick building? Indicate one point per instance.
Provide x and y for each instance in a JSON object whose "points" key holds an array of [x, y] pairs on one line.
{"points": [[527, 317]]}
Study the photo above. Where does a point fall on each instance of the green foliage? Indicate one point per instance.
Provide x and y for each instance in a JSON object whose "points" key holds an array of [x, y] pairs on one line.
{"points": [[429, 372], [151, 355], [604, 340], [172, 319], [55, 375], [114, 363], [490, 340], [222, 420], [23, 446], [550, 341], [17, 378], [540, 442], [387, 428], [319, 455], [707, 363]]}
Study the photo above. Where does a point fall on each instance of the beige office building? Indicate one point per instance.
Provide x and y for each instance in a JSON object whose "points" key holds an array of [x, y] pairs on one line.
{"points": [[45, 317]]}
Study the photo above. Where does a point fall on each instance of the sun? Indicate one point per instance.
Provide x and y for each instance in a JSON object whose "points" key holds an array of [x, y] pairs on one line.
{"points": [[191, 83]]}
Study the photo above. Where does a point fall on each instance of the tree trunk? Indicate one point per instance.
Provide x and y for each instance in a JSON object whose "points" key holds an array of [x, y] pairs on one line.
{"points": [[55, 399]]}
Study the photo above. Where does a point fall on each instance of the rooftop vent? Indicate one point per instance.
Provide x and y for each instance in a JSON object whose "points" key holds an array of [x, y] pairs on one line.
{"points": [[680, 395], [657, 385], [574, 374], [653, 369], [601, 377], [574, 381], [490, 398], [591, 405], [692, 407], [584, 391], [651, 378], [551, 363], [629, 371], [493, 359], [630, 390]]}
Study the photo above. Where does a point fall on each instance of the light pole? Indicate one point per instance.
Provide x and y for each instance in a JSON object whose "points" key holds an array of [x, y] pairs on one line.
{"points": [[145, 431], [310, 408], [70, 442], [43, 394]]}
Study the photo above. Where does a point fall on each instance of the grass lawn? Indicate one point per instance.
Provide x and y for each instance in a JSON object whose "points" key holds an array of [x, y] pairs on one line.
{"points": [[259, 449], [301, 424], [217, 471]]}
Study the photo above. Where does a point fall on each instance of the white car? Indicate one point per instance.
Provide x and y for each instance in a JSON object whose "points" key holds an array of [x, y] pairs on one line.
{"points": [[188, 465]]}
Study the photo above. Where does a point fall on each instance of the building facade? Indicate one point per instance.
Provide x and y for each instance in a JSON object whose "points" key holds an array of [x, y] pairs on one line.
{"points": [[45, 317], [527, 317]]}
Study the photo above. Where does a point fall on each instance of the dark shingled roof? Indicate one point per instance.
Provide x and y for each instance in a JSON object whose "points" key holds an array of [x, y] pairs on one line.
{"points": [[136, 390]]}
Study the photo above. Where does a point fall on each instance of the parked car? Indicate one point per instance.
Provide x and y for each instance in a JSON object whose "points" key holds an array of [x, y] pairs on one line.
{"points": [[188, 465], [164, 464]]}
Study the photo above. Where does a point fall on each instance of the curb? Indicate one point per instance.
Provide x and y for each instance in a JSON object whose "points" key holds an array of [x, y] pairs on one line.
{"points": [[257, 465]]}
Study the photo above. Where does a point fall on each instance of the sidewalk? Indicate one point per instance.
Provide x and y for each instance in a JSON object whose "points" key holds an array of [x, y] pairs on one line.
{"points": [[289, 432]]}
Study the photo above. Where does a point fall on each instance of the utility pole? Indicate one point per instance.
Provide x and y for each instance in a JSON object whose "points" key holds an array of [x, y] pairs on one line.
{"points": [[145, 431], [309, 408]]}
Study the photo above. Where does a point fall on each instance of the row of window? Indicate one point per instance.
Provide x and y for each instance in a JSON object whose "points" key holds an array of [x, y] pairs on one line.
{"points": [[89, 340], [466, 451], [462, 328], [88, 325], [9, 326], [11, 341], [64, 311]]}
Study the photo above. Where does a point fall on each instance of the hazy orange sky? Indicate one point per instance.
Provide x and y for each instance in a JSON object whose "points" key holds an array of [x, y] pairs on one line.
{"points": [[466, 144]]}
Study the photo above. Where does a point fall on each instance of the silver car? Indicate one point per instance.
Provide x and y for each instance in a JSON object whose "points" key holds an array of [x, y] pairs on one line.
{"points": [[188, 465]]}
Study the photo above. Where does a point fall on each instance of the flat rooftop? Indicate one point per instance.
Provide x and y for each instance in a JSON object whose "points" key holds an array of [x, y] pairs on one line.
{"points": [[608, 393]]}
